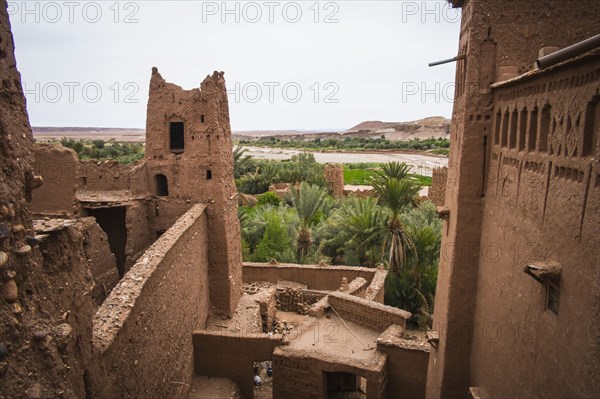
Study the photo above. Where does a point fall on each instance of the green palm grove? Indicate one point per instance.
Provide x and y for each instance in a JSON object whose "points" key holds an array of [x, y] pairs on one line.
{"points": [[390, 227]]}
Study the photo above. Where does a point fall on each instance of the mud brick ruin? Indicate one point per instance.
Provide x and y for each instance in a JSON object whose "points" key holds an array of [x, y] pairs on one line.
{"points": [[127, 281]]}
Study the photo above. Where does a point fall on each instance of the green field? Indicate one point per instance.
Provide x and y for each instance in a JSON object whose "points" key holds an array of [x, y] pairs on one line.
{"points": [[360, 174]]}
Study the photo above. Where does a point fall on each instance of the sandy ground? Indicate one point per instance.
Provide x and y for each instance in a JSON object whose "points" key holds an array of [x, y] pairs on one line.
{"points": [[213, 388]]}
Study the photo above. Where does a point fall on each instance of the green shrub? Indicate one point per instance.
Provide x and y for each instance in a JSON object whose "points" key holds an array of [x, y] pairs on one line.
{"points": [[268, 198]]}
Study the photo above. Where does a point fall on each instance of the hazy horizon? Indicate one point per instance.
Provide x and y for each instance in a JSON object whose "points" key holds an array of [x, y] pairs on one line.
{"points": [[316, 130], [320, 66]]}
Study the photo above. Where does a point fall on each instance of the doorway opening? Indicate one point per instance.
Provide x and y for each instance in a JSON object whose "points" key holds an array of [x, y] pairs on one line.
{"points": [[112, 221], [162, 185], [263, 385], [341, 385]]}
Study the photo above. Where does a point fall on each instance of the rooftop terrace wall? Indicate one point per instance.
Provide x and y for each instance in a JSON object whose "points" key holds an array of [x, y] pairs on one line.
{"points": [[142, 334]]}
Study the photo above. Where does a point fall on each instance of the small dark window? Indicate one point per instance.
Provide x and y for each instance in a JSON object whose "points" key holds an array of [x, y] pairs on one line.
{"points": [[208, 174], [162, 186], [201, 118], [177, 142], [552, 296]]}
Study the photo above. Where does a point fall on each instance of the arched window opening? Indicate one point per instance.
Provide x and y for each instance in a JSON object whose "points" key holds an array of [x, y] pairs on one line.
{"points": [[162, 185]]}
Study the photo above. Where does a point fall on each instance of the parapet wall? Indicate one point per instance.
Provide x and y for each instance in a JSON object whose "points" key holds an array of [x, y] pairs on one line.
{"points": [[367, 313], [375, 291], [104, 176], [142, 334], [315, 277]]}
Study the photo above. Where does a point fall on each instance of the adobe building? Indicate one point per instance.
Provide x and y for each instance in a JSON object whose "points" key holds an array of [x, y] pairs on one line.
{"points": [[167, 251], [324, 331], [127, 281], [334, 176], [187, 161], [518, 294]]}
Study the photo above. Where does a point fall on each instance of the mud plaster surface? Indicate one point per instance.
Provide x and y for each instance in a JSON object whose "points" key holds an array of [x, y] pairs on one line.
{"points": [[332, 336]]}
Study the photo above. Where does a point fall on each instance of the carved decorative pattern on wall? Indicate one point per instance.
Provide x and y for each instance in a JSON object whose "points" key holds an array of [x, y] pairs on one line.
{"points": [[546, 140]]}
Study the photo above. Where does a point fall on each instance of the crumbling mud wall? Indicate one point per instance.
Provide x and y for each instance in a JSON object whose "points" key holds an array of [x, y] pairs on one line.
{"points": [[358, 287], [231, 355], [334, 176], [73, 188], [142, 333], [520, 189], [104, 176], [102, 263], [45, 300], [59, 167], [316, 277], [51, 320], [437, 191], [376, 290], [291, 300], [65, 290], [188, 156]]}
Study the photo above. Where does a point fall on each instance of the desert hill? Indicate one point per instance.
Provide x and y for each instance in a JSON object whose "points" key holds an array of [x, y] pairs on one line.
{"points": [[435, 126]]}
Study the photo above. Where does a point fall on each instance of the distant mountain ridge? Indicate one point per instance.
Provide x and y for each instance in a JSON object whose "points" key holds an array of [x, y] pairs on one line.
{"points": [[435, 126]]}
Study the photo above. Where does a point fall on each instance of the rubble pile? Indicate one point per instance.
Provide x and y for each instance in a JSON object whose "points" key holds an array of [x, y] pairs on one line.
{"points": [[291, 300], [282, 327]]}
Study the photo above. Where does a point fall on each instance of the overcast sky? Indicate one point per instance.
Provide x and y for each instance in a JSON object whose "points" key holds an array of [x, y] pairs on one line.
{"points": [[304, 65]]}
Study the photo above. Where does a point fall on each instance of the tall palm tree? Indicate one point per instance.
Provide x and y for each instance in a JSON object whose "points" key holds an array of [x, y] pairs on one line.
{"points": [[307, 201], [397, 191]]}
